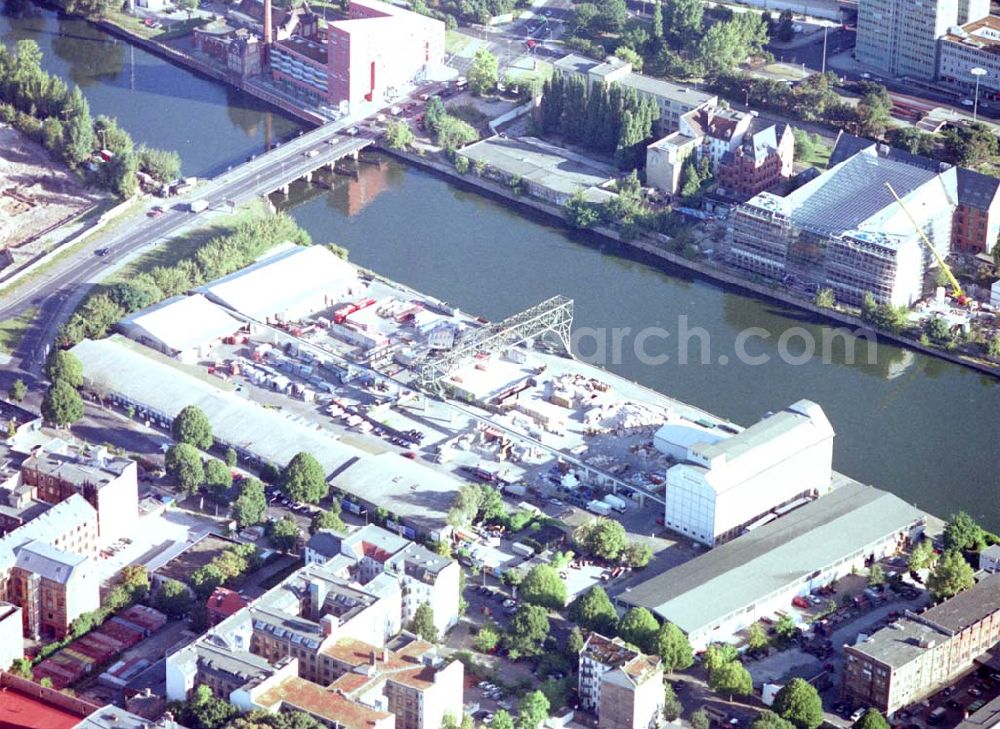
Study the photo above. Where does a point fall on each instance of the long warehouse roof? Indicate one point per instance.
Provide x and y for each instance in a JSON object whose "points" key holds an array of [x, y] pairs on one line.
{"points": [[162, 385], [739, 573]]}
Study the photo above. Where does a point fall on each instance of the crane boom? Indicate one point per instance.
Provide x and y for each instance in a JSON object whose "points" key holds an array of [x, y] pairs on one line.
{"points": [[956, 287]]}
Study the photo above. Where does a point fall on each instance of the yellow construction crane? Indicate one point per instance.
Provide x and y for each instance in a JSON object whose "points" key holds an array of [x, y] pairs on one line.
{"points": [[956, 287]]}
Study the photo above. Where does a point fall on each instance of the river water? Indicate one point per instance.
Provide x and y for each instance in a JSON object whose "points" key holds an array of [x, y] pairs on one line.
{"points": [[915, 425]]}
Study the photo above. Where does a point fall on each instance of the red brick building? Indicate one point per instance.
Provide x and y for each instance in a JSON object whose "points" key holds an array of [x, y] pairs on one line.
{"points": [[977, 218], [764, 159]]}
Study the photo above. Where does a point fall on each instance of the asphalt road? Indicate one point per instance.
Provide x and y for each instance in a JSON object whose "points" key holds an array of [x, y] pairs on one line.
{"points": [[59, 289]]}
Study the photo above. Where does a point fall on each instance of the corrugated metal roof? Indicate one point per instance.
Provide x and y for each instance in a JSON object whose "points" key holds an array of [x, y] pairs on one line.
{"points": [[182, 322]]}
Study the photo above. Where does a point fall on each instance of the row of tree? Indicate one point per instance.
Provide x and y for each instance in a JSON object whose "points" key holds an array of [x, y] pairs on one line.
{"points": [[219, 256], [58, 116], [607, 119]]}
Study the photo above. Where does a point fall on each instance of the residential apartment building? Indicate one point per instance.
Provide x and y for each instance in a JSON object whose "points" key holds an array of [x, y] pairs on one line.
{"points": [[989, 559], [46, 568], [319, 644], [722, 487], [976, 224], [52, 588], [673, 100], [974, 44], [108, 483], [899, 37], [621, 685], [905, 662], [423, 576], [844, 230]]}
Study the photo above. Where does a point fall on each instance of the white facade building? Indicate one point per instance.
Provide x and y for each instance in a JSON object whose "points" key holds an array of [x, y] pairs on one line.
{"points": [[723, 487], [370, 552], [973, 45]]}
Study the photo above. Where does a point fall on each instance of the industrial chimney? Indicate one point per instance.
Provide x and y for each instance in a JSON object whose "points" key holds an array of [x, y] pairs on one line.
{"points": [[268, 34]]}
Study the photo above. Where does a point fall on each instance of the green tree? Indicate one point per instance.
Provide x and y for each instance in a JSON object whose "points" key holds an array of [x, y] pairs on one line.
{"points": [[825, 299], [684, 17], [871, 719], [950, 576], [700, 720], [969, 145], [191, 426], [611, 15], [62, 405], [630, 56], [534, 709], [636, 555], [963, 533], [604, 538], [328, 519], [17, 390], [205, 579], [921, 556], [250, 507], [785, 28], [205, 711], [529, 627], [454, 133], [876, 575], [673, 647], [580, 213], [593, 610], [134, 295], [757, 639], [672, 706], [284, 532], [639, 627], [173, 599], [398, 134], [785, 629], [719, 654], [874, 114], [657, 23], [231, 457], [183, 463], [162, 165], [731, 679], [64, 366], [799, 703], [543, 586], [422, 623], [303, 479], [218, 477], [487, 638], [770, 720], [434, 112], [22, 667], [483, 73], [501, 720], [574, 643]]}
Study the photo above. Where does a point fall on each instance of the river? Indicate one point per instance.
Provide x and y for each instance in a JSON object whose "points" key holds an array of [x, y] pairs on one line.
{"points": [[920, 427]]}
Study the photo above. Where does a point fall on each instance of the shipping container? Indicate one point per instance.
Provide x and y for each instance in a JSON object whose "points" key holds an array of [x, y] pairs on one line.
{"points": [[598, 507]]}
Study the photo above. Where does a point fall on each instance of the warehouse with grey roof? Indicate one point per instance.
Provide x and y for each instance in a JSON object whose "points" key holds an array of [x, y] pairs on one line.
{"points": [[718, 594]]}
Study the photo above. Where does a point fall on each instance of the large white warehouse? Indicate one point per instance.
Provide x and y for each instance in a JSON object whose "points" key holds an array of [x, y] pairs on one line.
{"points": [[724, 486]]}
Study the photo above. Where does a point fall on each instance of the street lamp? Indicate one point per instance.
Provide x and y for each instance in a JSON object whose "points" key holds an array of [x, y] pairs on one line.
{"points": [[977, 72]]}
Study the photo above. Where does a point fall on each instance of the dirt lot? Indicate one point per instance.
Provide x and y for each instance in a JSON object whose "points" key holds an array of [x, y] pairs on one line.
{"points": [[36, 193]]}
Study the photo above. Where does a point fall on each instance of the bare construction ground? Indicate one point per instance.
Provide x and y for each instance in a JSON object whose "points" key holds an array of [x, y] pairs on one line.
{"points": [[37, 192]]}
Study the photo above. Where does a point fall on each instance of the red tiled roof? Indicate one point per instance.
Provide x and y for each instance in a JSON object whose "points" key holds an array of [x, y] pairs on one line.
{"points": [[224, 602]]}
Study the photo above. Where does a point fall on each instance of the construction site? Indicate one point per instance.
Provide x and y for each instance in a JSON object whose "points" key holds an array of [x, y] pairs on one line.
{"points": [[37, 195]]}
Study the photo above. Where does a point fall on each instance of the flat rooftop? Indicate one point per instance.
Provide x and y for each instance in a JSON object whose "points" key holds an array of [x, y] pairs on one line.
{"points": [[898, 644], [982, 34], [784, 552], [420, 495], [298, 694], [540, 163]]}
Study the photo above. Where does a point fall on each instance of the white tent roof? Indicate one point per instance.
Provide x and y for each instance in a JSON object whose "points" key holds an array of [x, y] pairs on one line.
{"points": [[182, 322], [280, 281]]}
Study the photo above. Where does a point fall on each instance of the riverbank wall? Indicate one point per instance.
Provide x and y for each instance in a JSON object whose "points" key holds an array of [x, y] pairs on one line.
{"points": [[656, 245]]}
